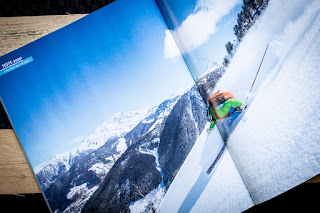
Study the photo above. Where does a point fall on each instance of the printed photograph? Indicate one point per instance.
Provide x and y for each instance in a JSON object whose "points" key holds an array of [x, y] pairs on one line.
{"points": [[170, 105]]}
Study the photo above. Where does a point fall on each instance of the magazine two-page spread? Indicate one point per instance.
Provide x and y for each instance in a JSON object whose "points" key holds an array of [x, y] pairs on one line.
{"points": [[107, 118], [266, 53], [170, 106]]}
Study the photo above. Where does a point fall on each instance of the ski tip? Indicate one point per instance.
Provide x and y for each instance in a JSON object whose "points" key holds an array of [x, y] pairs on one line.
{"points": [[209, 171]]}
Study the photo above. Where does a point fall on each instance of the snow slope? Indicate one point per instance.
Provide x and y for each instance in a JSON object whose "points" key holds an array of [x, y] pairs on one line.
{"points": [[195, 191], [276, 144]]}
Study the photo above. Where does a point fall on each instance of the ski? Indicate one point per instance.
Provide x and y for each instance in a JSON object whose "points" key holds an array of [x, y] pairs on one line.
{"points": [[217, 159]]}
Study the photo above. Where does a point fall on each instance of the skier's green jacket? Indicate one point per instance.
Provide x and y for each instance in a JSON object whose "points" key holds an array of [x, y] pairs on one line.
{"points": [[224, 110]]}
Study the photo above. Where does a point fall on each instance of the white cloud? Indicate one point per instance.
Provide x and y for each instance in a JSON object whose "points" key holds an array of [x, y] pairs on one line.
{"points": [[170, 47], [200, 25]]}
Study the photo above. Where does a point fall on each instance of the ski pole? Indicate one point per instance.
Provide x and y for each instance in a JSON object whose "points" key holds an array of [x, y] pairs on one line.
{"points": [[258, 71]]}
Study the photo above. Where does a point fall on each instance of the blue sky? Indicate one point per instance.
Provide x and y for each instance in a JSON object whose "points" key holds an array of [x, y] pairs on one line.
{"points": [[201, 29], [111, 61]]}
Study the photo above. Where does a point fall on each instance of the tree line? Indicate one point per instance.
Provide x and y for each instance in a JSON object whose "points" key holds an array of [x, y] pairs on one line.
{"points": [[250, 11]]}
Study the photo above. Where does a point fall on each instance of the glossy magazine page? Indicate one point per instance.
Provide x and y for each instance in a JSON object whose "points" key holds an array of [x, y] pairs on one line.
{"points": [[268, 66]]}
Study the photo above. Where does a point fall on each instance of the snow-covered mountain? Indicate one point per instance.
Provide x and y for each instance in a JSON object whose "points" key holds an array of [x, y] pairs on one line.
{"points": [[139, 163], [117, 126], [149, 165], [76, 186]]}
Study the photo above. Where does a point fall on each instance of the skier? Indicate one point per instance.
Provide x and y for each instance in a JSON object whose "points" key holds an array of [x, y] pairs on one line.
{"points": [[223, 106]]}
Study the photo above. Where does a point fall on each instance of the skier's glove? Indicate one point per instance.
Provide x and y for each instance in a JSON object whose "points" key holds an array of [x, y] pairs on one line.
{"points": [[209, 130]]}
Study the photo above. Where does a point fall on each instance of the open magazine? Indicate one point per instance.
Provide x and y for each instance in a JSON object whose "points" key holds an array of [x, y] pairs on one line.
{"points": [[117, 112]]}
